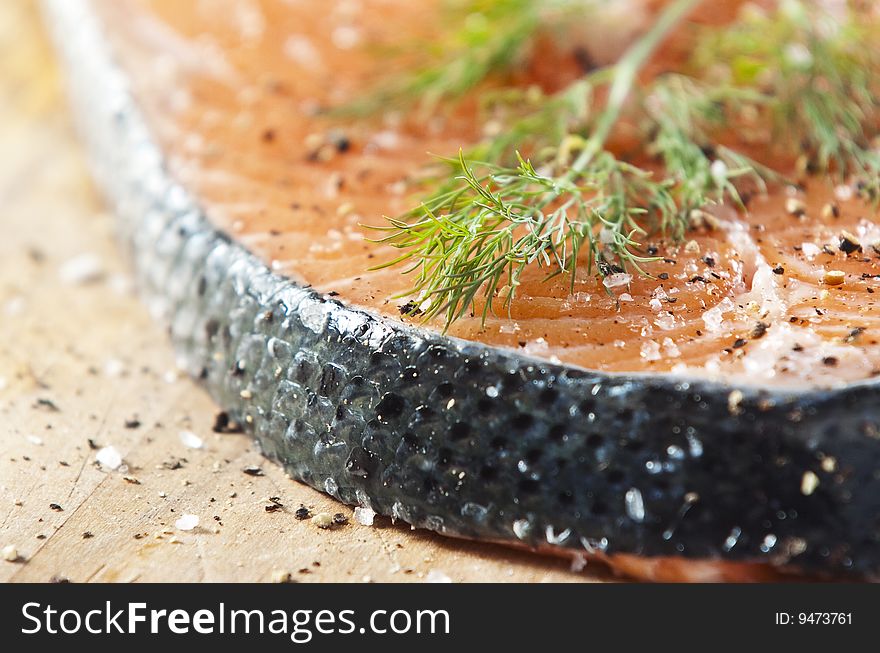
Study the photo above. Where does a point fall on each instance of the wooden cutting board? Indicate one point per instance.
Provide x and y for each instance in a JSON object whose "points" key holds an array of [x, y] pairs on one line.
{"points": [[83, 367]]}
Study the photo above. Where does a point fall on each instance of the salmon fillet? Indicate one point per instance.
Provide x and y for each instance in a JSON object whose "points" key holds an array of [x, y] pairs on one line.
{"points": [[241, 130], [768, 306]]}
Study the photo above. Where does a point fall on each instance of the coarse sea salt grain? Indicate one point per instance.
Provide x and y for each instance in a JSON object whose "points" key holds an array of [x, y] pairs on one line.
{"points": [[10, 553], [670, 349], [81, 269], [810, 250], [109, 457], [843, 192], [113, 367], [436, 576], [364, 516], [635, 505], [713, 317], [187, 522], [190, 440], [616, 280], [313, 315], [666, 321], [650, 350]]}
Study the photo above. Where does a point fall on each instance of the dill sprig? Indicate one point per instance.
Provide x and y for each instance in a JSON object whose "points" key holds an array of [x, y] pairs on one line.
{"points": [[489, 37], [814, 74], [573, 201], [682, 116], [480, 234], [479, 238]]}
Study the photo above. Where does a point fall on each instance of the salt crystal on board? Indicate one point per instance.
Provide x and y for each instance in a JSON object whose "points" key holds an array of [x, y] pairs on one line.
{"points": [[187, 522], [435, 576], [190, 440], [109, 457], [81, 269], [364, 516]]}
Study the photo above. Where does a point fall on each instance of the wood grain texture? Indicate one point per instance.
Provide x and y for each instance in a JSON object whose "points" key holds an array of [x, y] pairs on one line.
{"points": [[80, 357]]}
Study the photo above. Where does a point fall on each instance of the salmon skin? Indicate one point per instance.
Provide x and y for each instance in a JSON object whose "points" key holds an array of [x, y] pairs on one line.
{"points": [[645, 471]]}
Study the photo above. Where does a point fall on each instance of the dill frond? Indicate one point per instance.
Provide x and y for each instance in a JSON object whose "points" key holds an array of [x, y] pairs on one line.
{"points": [[483, 38], [571, 201], [480, 238], [479, 233], [814, 74], [683, 115]]}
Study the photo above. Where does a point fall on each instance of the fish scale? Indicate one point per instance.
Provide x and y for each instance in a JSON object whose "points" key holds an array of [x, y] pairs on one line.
{"points": [[468, 439]]}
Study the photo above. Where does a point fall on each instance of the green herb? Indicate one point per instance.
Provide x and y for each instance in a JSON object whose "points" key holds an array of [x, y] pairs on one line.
{"points": [[490, 36], [480, 234], [571, 201], [813, 74]]}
